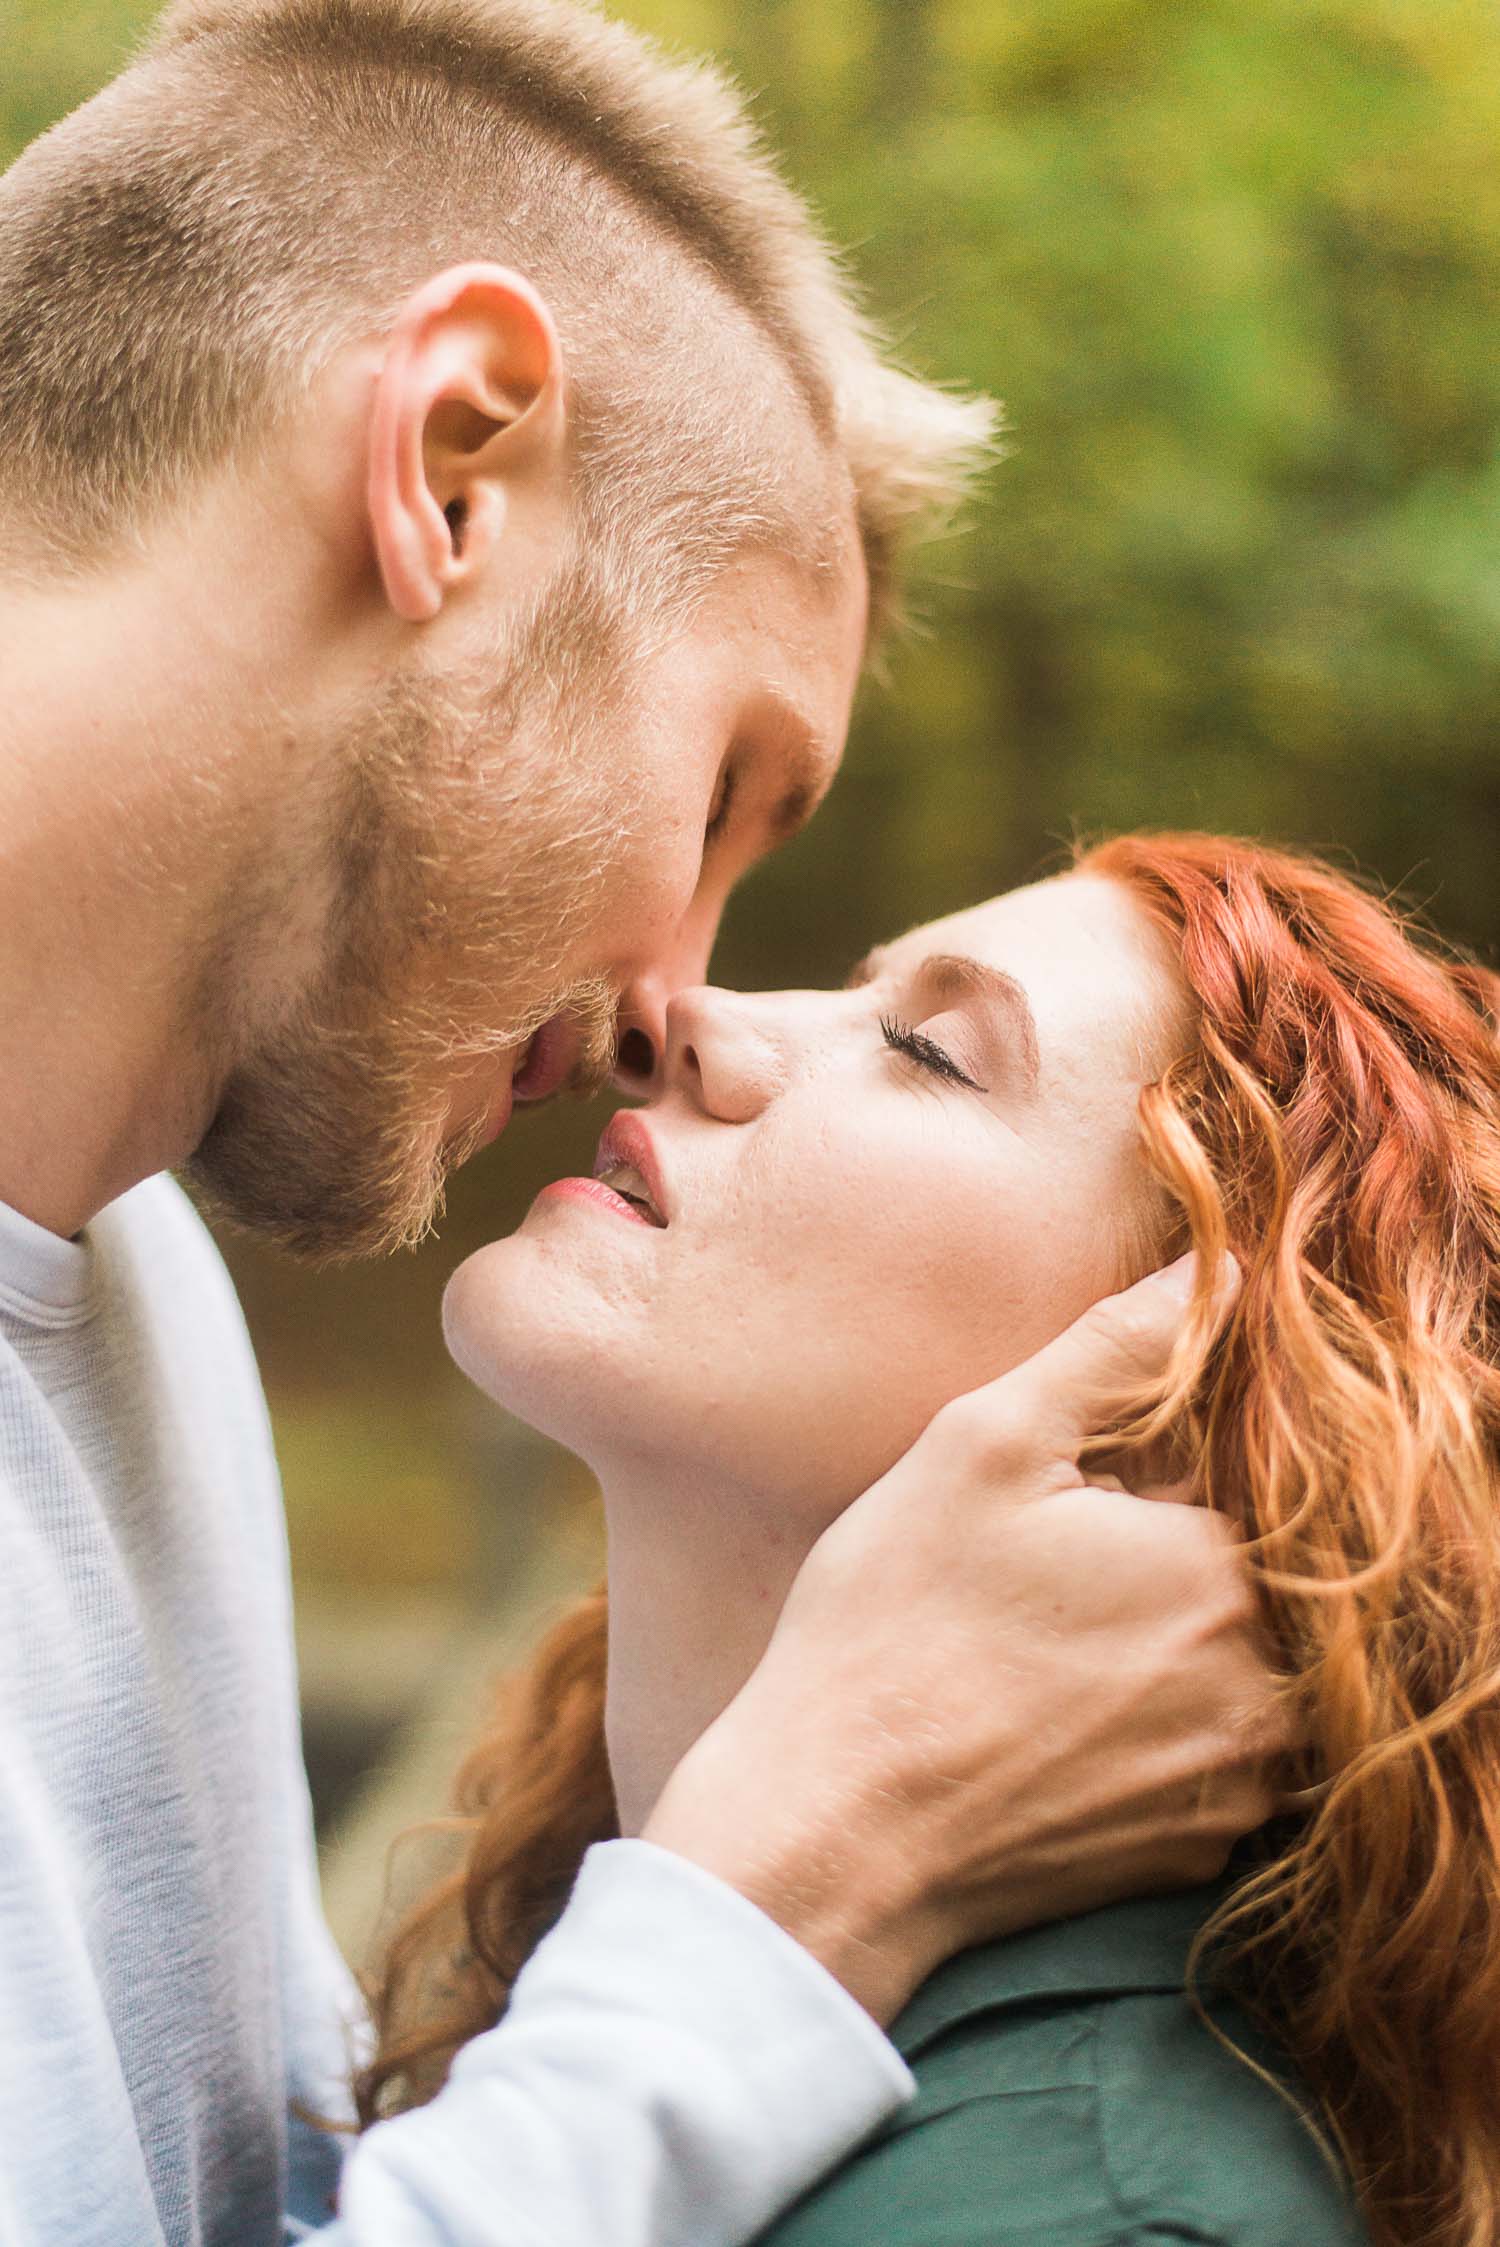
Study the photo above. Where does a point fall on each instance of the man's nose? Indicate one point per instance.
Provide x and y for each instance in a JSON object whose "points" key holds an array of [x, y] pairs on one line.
{"points": [[719, 1057], [641, 1036], [641, 1023]]}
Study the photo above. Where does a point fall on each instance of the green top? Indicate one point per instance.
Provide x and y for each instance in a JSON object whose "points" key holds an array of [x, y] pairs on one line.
{"points": [[1069, 2096]]}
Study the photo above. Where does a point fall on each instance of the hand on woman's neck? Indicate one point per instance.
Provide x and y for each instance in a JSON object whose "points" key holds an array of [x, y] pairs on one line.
{"points": [[698, 1576]]}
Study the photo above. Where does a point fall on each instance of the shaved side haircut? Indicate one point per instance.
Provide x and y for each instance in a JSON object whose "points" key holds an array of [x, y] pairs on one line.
{"points": [[271, 178]]}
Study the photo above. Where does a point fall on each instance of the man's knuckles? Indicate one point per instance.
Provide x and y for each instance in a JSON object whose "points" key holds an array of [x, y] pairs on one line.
{"points": [[1117, 1350], [989, 1438], [1036, 1416]]}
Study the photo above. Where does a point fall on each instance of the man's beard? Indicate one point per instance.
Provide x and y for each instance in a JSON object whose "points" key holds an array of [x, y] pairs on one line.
{"points": [[473, 846]]}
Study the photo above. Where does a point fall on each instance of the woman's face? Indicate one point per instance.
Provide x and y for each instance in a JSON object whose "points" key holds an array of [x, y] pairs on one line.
{"points": [[874, 1199]]}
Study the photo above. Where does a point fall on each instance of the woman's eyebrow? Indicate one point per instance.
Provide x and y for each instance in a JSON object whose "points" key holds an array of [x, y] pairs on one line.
{"points": [[946, 976], [952, 975]]}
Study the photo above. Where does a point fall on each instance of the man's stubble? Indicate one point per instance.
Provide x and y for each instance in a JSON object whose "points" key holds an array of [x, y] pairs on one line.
{"points": [[476, 824]]}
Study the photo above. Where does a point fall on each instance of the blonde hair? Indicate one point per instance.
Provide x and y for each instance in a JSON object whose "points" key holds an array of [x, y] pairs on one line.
{"points": [[272, 177]]}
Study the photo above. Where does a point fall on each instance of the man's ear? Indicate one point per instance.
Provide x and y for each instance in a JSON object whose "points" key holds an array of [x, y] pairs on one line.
{"points": [[468, 399]]}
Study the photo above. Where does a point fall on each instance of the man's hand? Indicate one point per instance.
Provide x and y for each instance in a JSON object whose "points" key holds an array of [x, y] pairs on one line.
{"points": [[998, 1694]]}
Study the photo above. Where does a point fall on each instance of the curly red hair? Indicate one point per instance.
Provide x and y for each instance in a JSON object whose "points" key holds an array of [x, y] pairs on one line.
{"points": [[1335, 1124]]}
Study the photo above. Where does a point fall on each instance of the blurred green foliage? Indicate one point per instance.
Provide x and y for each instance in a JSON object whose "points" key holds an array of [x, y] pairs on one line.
{"points": [[1232, 266]]}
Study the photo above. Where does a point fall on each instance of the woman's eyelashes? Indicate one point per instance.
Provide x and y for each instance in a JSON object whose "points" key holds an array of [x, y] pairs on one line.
{"points": [[925, 1052]]}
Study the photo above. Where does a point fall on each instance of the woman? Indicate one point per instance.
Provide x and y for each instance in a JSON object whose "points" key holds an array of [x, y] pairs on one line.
{"points": [[847, 1208]]}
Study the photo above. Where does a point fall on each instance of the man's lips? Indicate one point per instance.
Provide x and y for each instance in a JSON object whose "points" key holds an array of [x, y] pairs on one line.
{"points": [[548, 1061], [543, 1067]]}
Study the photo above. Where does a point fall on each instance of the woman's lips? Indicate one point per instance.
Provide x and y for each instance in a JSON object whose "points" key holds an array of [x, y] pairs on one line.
{"points": [[627, 1145], [627, 1177], [594, 1191]]}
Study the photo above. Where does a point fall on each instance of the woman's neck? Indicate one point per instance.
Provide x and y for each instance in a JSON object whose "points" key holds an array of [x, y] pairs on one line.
{"points": [[697, 1578]]}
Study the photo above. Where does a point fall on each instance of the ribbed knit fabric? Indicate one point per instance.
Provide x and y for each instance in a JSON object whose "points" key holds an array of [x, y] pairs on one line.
{"points": [[165, 1975]]}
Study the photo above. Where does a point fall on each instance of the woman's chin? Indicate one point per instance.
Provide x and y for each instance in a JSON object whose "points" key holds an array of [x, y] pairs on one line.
{"points": [[532, 1334], [492, 1307]]}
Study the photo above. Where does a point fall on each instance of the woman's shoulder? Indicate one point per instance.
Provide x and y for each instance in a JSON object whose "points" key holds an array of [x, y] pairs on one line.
{"points": [[1069, 2093], [1191, 2131]]}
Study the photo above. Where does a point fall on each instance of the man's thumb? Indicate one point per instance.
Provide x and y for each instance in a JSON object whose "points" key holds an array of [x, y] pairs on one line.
{"points": [[1110, 1360]]}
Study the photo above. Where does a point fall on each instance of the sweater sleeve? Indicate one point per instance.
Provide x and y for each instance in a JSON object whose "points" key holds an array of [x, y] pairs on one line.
{"points": [[672, 2071]]}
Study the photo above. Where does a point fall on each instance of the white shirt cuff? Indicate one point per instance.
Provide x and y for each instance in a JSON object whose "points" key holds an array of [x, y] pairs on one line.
{"points": [[673, 2071]]}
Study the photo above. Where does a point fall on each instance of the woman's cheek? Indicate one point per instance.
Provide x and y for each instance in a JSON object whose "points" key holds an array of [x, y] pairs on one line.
{"points": [[1011, 1276]]}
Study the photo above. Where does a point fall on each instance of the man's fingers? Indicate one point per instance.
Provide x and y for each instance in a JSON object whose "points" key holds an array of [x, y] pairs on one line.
{"points": [[1108, 1361], [1164, 1493], [1112, 1358]]}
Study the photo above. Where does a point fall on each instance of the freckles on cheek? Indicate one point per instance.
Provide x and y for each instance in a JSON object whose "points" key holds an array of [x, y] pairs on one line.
{"points": [[945, 1255]]}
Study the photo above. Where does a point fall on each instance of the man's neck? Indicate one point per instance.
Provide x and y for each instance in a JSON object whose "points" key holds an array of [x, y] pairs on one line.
{"points": [[696, 1582], [96, 1087], [133, 836]]}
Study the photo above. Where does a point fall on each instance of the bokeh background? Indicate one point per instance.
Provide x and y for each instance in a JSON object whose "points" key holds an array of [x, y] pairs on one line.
{"points": [[1233, 266]]}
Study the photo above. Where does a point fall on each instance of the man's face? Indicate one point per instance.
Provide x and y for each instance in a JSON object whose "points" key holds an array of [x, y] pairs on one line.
{"points": [[515, 861]]}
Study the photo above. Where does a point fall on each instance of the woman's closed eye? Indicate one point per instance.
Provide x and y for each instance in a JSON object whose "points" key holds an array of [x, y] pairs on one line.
{"points": [[915, 1046]]}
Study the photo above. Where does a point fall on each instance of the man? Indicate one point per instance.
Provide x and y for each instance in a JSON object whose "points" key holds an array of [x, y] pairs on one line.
{"points": [[444, 490]]}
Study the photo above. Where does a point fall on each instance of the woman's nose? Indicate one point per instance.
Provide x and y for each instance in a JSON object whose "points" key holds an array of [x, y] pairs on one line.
{"points": [[718, 1057]]}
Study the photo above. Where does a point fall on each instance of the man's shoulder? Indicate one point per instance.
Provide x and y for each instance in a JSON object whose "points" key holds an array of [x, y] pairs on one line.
{"points": [[1051, 2111], [146, 1401]]}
